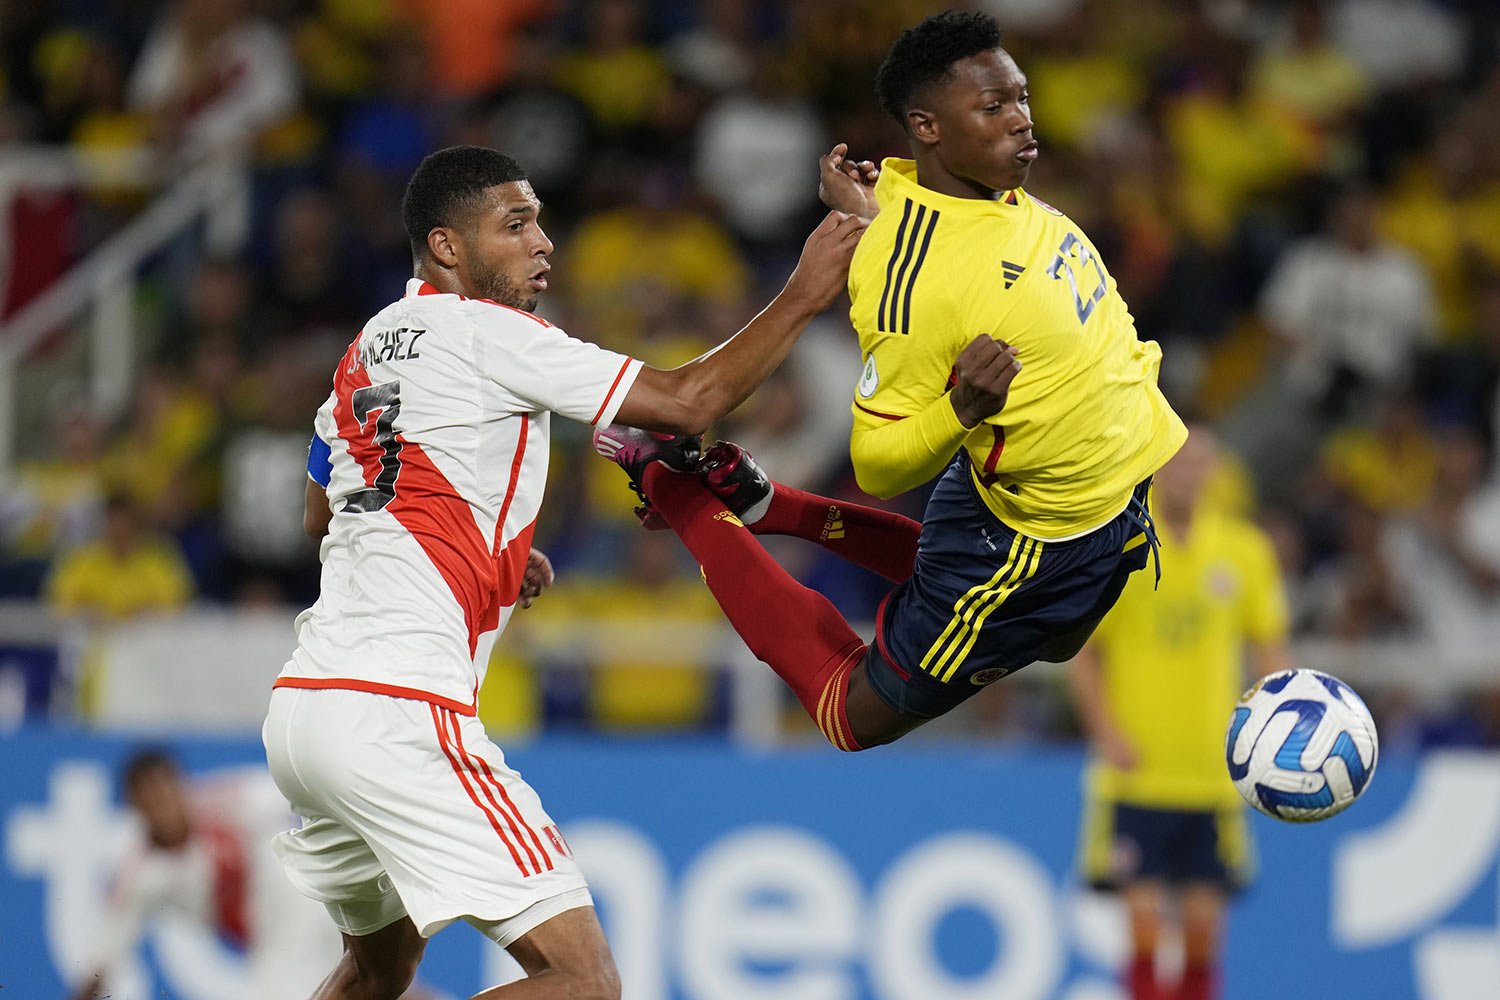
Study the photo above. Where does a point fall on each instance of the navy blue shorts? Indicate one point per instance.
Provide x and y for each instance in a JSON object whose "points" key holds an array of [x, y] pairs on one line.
{"points": [[1127, 843], [984, 600]]}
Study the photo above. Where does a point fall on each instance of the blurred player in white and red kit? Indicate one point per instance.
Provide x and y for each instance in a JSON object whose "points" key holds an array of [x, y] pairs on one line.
{"points": [[438, 429], [193, 859]]}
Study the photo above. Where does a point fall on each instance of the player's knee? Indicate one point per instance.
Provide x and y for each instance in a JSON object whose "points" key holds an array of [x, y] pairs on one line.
{"points": [[842, 740]]}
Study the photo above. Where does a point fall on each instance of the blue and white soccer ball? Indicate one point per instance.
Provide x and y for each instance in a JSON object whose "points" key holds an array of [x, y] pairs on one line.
{"points": [[1301, 746]]}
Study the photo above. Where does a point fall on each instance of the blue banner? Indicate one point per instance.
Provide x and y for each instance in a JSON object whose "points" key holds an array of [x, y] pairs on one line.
{"points": [[940, 873]]}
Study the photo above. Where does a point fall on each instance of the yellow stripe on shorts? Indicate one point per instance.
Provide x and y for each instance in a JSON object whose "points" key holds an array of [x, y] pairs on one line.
{"points": [[1097, 839], [1006, 568], [989, 608], [976, 605], [1236, 849]]}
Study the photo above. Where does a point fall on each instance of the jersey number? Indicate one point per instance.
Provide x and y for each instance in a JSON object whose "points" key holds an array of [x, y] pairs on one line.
{"points": [[1062, 265], [386, 398]]}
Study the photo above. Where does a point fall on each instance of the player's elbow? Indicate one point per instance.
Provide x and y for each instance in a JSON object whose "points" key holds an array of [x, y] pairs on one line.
{"points": [[875, 481], [880, 490]]}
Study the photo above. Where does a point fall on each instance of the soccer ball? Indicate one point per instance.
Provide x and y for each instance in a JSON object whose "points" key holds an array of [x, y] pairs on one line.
{"points": [[1301, 746]]}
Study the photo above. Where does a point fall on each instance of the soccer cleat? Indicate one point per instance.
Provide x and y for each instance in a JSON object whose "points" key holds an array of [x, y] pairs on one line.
{"points": [[734, 477], [632, 449]]}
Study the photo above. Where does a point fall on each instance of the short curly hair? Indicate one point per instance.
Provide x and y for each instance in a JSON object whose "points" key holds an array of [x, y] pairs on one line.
{"points": [[925, 55], [447, 187]]}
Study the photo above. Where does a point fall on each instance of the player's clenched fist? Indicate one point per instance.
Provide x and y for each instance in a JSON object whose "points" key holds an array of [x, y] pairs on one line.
{"points": [[823, 270], [985, 369]]}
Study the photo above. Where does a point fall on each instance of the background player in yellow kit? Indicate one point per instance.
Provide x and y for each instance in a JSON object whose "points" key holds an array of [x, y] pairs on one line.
{"points": [[1039, 519], [1154, 690]]}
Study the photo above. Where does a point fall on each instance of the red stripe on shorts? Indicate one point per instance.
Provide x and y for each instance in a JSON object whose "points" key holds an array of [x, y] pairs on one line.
{"points": [[514, 810], [510, 816], [463, 779]]}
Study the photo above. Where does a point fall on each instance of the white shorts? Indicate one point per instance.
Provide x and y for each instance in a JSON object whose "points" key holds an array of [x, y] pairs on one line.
{"points": [[409, 809]]}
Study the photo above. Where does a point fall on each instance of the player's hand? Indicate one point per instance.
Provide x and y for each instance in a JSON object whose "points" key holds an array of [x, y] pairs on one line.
{"points": [[1116, 749], [847, 186], [985, 369], [538, 577], [823, 272]]}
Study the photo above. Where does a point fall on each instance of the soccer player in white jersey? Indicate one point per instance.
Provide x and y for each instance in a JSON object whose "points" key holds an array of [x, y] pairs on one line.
{"points": [[193, 858], [438, 429]]}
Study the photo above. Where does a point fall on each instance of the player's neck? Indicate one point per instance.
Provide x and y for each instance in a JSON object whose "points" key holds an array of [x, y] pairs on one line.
{"points": [[442, 278], [932, 175]]}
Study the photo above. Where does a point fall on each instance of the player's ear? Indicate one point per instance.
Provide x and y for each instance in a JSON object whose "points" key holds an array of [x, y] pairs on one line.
{"points": [[923, 126], [442, 245]]}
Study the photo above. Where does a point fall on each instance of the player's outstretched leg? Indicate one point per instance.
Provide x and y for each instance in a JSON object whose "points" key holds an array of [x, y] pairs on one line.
{"points": [[378, 966], [877, 540], [565, 958], [796, 631]]}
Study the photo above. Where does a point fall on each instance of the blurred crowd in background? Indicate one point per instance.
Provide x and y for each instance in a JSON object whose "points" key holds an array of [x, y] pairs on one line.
{"points": [[1299, 199]]}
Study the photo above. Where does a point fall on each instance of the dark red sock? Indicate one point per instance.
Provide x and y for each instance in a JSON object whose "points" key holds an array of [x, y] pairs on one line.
{"points": [[796, 631], [878, 540], [1140, 978], [1199, 982]]}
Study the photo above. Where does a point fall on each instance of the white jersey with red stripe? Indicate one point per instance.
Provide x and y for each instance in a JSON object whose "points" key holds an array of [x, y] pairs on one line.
{"points": [[438, 426]]}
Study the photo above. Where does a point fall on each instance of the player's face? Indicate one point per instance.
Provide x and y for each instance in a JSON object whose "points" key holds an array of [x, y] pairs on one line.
{"points": [[982, 120], [505, 250], [1182, 480], [162, 803]]}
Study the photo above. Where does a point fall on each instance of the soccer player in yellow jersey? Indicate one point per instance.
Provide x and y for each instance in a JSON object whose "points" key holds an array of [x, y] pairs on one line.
{"points": [[1039, 517], [1154, 690]]}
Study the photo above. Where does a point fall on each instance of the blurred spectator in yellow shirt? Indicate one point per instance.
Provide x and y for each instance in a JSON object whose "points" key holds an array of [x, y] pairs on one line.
{"points": [[1232, 145], [649, 633], [1311, 77], [1389, 467], [1083, 81], [129, 571], [623, 81], [1446, 210], [623, 262], [54, 502]]}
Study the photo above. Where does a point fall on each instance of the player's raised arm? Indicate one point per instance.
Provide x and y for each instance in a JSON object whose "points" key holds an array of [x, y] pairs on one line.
{"points": [[847, 185], [685, 400]]}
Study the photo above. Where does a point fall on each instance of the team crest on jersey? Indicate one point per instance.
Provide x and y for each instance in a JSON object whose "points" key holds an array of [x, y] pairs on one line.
{"points": [[1043, 205], [980, 678], [869, 379], [1222, 583]]}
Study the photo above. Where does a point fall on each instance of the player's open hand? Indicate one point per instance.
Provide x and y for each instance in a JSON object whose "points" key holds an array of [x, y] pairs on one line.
{"points": [[845, 185], [823, 272], [538, 577], [985, 369]]}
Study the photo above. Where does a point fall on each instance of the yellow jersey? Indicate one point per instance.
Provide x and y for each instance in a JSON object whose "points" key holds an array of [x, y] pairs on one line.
{"points": [[1085, 421], [95, 579], [1173, 661]]}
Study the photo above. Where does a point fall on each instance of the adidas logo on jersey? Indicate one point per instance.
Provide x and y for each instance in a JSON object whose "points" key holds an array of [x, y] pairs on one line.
{"points": [[1011, 272], [728, 518], [833, 525]]}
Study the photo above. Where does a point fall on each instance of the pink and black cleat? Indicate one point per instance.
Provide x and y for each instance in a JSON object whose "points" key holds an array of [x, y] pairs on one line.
{"points": [[737, 480], [632, 449]]}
